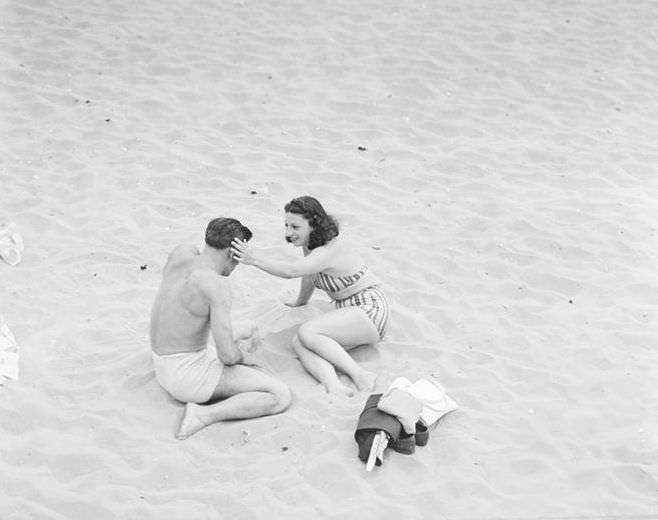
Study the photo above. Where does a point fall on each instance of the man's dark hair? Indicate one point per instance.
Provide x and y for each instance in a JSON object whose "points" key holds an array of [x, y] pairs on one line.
{"points": [[324, 226], [221, 232]]}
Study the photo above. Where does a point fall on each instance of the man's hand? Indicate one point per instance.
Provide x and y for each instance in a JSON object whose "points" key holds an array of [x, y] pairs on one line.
{"points": [[247, 335], [249, 360], [249, 344]]}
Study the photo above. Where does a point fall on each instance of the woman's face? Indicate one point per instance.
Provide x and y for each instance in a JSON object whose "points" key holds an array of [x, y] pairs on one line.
{"points": [[298, 230]]}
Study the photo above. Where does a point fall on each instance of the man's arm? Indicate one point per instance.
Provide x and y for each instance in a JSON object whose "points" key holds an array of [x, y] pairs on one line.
{"points": [[217, 291]]}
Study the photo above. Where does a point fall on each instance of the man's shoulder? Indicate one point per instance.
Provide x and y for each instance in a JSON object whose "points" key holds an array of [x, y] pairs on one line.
{"points": [[181, 256], [207, 280], [183, 251]]}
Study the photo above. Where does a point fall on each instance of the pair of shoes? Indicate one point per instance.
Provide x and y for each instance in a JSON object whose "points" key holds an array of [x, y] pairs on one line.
{"points": [[422, 434], [407, 443], [404, 444]]}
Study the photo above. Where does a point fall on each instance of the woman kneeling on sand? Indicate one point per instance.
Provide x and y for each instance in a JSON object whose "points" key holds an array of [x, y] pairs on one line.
{"points": [[362, 313]]}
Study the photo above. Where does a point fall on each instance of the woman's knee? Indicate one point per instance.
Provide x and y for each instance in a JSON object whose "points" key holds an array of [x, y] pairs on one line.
{"points": [[306, 333], [297, 345]]}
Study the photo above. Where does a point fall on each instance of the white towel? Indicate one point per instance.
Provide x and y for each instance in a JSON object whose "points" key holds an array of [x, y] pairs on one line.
{"points": [[436, 403], [8, 353]]}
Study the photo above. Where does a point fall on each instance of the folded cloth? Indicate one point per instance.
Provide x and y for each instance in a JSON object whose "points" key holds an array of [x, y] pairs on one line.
{"points": [[402, 405], [11, 243], [8, 353], [371, 422], [436, 403]]}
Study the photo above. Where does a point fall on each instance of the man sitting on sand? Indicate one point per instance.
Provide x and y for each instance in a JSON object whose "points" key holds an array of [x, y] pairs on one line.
{"points": [[194, 299]]}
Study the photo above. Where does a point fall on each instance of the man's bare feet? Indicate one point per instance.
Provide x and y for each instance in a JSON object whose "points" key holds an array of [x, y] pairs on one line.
{"points": [[366, 380], [191, 422]]}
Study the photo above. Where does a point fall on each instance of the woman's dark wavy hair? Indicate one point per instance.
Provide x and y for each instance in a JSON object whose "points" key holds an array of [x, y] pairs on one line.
{"points": [[324, 226], [221, 232]]}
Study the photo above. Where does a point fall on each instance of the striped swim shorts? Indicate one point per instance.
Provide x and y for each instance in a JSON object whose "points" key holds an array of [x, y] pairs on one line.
{"points": [[374, 303]]}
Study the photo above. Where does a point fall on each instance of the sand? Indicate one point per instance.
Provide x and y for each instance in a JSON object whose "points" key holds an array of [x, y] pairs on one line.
{"points": [[496, 163]]}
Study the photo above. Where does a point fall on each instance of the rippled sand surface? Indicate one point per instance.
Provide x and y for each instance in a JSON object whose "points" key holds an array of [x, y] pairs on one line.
{"points": [[497, 164]]}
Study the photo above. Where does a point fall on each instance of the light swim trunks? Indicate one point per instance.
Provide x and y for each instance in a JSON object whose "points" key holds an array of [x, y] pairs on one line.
{"points": [[190, 377]]}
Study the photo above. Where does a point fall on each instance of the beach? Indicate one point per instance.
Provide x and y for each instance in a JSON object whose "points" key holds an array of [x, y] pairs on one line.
{"points": [[497, 166]]}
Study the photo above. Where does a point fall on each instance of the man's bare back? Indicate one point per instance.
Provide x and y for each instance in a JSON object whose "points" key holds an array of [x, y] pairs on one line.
{"points": [[193, 302], [180, 318]]}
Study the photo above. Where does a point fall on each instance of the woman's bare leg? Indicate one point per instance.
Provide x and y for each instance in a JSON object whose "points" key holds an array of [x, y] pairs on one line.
{"points": [[320, 369], [330, 334]]}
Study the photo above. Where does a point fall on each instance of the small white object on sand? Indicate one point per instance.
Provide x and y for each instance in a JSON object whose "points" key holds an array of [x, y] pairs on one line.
{"points": [[11, 243], [8, 353]]}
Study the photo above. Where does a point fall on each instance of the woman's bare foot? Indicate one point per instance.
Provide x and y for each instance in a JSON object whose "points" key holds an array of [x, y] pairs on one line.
{"points": [[191, 422], [365, 381], [340, 389]]}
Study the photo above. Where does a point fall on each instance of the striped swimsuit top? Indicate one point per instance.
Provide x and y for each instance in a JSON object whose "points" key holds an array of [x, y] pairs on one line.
{"points": [[334, 284]]}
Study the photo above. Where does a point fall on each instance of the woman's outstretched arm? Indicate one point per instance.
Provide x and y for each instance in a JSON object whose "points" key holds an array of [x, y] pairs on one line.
{"points": [[314, 262]]}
